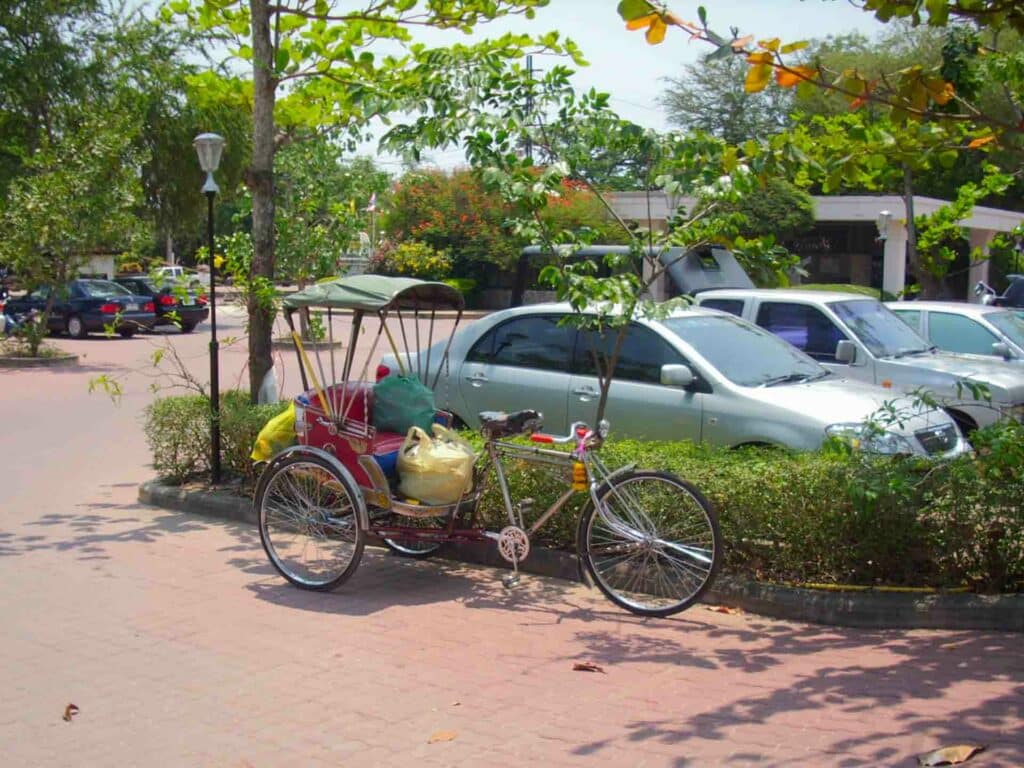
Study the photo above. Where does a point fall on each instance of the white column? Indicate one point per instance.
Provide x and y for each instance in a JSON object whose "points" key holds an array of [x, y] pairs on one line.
{"points": [[894, 259], [978, 238]]}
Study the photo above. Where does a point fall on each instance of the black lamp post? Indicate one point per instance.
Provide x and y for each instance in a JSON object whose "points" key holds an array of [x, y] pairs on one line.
{"points": [[208, 147]]}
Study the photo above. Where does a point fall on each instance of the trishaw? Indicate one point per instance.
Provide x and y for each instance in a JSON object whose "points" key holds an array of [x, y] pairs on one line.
{"points": [[647, 539]]}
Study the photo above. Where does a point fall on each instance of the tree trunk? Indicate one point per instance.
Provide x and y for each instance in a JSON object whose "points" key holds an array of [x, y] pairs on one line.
{"points": [[931, 286], [260, 179]]}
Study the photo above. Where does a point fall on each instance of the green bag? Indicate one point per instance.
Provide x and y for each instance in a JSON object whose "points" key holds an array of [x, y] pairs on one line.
{"points": [[400, 403]]}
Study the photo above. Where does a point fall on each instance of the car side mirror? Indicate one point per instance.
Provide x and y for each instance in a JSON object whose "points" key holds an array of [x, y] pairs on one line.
{"points": [[677, 376], [846, 352], [1002, 349]]}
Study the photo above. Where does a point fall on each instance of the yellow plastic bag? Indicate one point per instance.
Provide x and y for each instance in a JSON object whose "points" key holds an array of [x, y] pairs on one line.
{"points": [[435, 470], [276, 435]]}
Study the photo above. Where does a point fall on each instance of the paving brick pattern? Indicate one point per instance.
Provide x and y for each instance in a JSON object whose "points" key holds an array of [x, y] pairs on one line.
{"points": [[180, 645]]}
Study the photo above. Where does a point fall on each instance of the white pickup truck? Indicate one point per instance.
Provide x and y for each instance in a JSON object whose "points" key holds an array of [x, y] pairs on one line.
{"points": [[176, 272], [859, 338]]}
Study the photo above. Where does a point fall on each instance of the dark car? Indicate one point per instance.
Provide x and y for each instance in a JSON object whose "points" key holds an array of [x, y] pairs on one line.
{"points": [[86, 305], [174, 305]]}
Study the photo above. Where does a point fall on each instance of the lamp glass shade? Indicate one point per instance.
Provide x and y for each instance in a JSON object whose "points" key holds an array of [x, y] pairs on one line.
{"points": [[883, 222], [209, 147]]}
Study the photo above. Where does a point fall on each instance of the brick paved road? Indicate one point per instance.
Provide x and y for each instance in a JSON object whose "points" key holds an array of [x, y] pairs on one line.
{"points": [[180, 647]]}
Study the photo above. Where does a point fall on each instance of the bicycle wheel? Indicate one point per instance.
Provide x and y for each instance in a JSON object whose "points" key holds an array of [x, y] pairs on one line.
{"points": [[309, 522], [652, 545]]}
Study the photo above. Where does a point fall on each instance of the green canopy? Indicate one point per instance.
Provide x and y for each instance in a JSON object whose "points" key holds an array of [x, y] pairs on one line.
{"points": [[373, 293]]}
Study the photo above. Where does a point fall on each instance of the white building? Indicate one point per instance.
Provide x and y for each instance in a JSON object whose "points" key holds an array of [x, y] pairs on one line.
{"points": [[845, 246]]}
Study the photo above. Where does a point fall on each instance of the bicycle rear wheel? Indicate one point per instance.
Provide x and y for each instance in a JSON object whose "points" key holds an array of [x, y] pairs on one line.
{"points": [[309, 522], [652, 543]]}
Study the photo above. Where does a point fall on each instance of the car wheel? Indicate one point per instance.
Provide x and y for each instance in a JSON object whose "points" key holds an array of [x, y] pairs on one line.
{"points": [[126, 333], [965, 423], [188, 327], [76, 328]]}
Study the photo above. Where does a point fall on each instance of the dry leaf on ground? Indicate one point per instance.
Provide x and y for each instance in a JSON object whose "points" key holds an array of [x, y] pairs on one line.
{"points": [[441, 736], [950, 755], [724, 609], [69, 711], [587, 666]]}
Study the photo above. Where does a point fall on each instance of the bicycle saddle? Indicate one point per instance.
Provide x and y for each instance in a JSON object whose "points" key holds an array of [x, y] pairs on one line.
{"points": [[502, 424]]}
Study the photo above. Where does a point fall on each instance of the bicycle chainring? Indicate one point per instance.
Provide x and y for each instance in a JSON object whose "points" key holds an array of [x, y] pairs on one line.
{"points": [[513, 544]]}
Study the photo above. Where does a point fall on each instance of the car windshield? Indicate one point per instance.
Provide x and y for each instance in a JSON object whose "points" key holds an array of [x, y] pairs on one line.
{"points": [[1010, 324], [879, 329], [743, 353], [99, 288]]}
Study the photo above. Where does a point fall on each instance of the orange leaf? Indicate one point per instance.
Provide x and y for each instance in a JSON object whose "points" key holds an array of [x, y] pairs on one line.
{"points": [[762, 57], [789, 77], [757, 78], [69, 711], [950, 755], [442, 736], [857, 103], [587, 666], [980, 142], [724, 609], [641, 21], [743, 42], [656, 32]]}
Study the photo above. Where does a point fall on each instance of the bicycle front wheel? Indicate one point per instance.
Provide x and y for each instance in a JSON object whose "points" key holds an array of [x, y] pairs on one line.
{"points": [[309, 524], [651, 544]]}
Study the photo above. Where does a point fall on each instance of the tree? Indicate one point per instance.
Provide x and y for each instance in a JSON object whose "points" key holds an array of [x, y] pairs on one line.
{"points": [[76, 197], [319, 202], [453, 212], [41, 70], [709, 96], [313, 66], [917, 92]]}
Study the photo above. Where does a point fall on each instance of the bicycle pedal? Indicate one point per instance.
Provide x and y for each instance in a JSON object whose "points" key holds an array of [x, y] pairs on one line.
{"points": [[525, 505], [510, 581]]}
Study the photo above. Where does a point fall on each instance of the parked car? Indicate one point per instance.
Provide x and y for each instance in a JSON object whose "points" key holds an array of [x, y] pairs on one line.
{"points": [[973, 329], [175, 273], [697, 375], [174, 306], [858, 337], [86, 305]]}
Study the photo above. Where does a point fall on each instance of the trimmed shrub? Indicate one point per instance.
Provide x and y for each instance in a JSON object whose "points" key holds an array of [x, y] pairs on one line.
{"points": [[830, 517], [178, 432]]}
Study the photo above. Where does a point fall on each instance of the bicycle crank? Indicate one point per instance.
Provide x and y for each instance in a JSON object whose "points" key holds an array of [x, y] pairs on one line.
{"points": [[513, 544]]}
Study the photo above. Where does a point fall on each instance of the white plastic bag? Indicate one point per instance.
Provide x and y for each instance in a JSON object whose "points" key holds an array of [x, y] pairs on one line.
{"points": [[435, 470]]}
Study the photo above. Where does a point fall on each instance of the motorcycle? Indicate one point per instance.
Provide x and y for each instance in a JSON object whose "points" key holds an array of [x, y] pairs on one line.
{"points": [[1013, 296]]}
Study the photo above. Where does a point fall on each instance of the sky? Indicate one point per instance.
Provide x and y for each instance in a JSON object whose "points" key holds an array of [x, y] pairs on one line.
{"points": [[622, 64]]}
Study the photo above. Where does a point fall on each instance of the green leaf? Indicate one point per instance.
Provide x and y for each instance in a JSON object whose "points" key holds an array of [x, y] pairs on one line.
{"points": [[281, 58], [721, 52], [290, 22], [634, 9]]}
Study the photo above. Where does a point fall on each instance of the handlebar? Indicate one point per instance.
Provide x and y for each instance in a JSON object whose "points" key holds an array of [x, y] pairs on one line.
{"points": [[577, 431]]}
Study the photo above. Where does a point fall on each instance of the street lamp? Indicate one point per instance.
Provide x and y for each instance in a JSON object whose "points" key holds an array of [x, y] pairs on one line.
{"points": [[882, 222], [208, 147]]}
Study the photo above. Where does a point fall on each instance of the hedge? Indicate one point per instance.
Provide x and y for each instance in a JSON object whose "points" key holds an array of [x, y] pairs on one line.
{"points": [[830, 517]]}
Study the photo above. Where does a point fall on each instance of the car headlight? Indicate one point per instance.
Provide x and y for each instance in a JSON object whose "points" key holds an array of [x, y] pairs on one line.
{"points": [[870, 439]]}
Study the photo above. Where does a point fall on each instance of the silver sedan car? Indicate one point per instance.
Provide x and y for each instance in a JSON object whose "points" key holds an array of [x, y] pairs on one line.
{"points": [[699, 375], [974, 329]]}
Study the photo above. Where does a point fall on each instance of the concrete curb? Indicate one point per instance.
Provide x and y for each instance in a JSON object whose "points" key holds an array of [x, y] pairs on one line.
{"points": [[60, 361], [865, 609]]}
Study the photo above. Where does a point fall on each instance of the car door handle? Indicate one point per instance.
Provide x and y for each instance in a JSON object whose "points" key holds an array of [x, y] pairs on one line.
{"points": [[477, 379], [585, 392]]}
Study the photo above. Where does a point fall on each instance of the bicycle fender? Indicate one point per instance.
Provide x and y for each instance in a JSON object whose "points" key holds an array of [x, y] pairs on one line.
{"points": [[346, 476]]}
